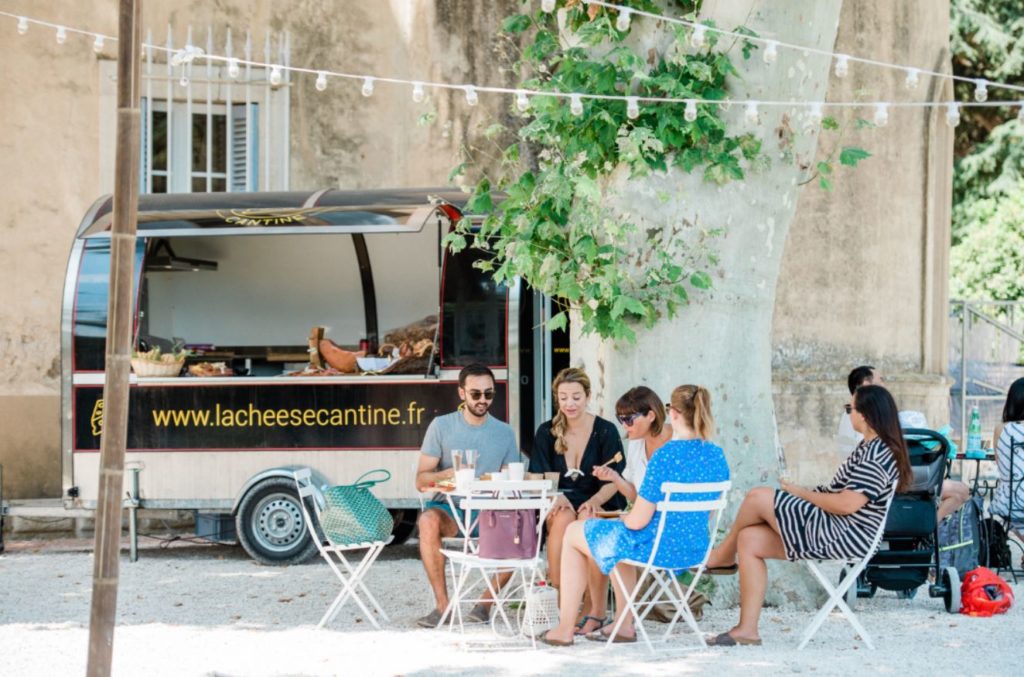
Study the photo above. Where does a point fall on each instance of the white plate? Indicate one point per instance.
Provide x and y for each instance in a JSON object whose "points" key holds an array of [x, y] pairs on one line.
{"points": [[373, 363]]}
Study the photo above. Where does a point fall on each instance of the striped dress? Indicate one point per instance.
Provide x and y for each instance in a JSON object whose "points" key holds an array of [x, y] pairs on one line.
{"points": [[1001, 498], [808, 532]]}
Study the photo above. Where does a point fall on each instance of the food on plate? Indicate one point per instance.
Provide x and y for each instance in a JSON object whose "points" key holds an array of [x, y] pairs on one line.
{"points": [[310, 370], [204, 369], [445, 485]]}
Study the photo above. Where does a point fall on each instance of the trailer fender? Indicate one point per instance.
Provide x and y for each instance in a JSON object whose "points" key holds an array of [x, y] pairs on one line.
{"points": [[287, 471]]}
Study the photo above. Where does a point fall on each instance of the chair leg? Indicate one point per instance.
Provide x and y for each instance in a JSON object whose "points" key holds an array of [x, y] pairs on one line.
{"points": [[630, 609], [836, 599]]}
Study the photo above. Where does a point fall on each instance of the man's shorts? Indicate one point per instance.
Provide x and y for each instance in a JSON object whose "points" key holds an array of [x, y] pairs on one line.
{"points": [[456, 514]]}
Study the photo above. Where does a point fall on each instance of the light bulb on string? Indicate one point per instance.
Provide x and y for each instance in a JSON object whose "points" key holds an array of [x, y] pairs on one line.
{"points": [[690, 112], [632, 107], [472, 98], [771, 52], [913, 78], [275, 75], [575, 104], [981, 91], [368, 87], [183, 80], [233, 68], [417, 92], [321, 81], [22, 25], [62, 35], [881, 114], [622, 22], [547, 5], [697, 39], [522, 101], [842, 66], [97, 44], [953, 114], [750, 113]]}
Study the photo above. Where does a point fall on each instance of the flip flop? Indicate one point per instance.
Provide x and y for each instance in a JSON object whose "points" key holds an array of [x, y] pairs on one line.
{"points": [[555, 642], [619, 639], [719, 571], [601, 622], [725, 639]]}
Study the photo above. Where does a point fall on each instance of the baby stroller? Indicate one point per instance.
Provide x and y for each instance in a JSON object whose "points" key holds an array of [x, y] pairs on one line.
{"points": [[910, 543]]}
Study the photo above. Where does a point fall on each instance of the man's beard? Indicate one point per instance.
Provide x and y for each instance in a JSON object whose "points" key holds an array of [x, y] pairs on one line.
{"points": [[478, 410]]}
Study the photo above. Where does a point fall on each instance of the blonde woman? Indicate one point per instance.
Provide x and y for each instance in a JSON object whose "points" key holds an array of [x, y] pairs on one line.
{"points": [[689, 457], [573, 444]]}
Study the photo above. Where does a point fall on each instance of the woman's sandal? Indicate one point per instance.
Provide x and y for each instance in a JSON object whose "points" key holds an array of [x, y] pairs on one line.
{"points": [[725, 639], [598, 636], [601, 622], [555, 642], [719, 571]]}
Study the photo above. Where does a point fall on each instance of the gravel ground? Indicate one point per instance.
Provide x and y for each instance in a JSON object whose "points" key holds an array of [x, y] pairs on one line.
{"points": [[208, 610]]}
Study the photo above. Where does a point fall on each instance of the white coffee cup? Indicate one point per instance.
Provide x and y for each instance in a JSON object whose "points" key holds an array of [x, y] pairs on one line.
{"points": [[464, 478], [516, 471]]}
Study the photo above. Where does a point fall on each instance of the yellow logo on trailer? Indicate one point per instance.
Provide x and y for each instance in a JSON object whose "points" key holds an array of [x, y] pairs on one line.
{"points": [[96, 420]]}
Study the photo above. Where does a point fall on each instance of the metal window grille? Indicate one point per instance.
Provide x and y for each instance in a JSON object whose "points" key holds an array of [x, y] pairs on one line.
{"points": [[204, 131]]}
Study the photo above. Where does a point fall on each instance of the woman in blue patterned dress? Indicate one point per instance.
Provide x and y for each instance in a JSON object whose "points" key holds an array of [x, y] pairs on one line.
{"points": [[688, 457], [838, 520]]}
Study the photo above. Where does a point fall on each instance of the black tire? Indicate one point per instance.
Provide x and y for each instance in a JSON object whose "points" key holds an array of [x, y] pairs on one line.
{"points": [[270, 526], [951, 595], [405, 525]]}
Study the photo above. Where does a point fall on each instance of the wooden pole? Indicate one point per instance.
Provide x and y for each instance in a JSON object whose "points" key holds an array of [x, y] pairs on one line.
{"points": [[103, 612]]}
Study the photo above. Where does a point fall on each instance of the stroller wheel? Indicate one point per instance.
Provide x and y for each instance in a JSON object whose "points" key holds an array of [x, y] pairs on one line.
{"points": [[951, 594]]}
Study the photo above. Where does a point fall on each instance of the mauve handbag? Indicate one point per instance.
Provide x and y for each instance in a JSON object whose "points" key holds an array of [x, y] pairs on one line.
{"points": [[508, 534]]}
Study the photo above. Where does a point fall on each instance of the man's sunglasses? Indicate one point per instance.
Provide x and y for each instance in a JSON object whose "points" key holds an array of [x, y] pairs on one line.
{"points": [[476, 395]]}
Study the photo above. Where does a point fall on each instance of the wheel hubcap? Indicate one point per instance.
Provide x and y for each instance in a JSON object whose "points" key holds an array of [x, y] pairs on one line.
{"points": [[278, 522]]}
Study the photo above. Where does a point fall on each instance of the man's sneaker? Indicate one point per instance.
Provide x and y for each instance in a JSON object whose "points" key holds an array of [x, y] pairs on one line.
{"points": [[481, 613], [431, 620]]}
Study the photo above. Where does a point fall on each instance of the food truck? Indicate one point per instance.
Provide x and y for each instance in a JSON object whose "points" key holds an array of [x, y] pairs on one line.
{"points": [[242, 281]]}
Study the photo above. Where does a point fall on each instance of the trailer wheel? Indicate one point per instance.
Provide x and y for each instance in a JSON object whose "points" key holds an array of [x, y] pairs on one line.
{"points": [[951, 596], [405, 524], [269, 523]]}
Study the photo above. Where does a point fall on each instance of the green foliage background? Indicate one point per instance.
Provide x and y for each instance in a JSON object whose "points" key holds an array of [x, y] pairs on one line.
{"points": [[987, 260]]}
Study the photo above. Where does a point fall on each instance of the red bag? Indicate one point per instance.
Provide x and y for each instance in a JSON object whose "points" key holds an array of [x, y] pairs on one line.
{"points": [[508, 534], [984, 593]]}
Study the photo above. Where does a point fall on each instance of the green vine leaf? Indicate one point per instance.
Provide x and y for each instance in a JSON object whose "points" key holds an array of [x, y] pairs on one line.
{"points": [[851, 155]]}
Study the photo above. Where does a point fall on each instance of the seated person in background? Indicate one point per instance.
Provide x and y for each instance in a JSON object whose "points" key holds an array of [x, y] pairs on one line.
{"points": [[838, 520], [688, 457], [642, 414], [1011, 428], [573, 444], [470, 428], [954, 494]]}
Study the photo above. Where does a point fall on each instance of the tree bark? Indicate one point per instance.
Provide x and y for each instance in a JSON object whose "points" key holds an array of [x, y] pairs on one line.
{"points": [[722, 339]]}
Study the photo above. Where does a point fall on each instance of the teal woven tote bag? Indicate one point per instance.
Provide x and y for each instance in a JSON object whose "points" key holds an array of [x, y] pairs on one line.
{"points": [[353, 514]]}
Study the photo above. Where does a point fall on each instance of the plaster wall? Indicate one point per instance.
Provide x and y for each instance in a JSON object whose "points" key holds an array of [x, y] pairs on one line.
{"points": [[865, 269]]}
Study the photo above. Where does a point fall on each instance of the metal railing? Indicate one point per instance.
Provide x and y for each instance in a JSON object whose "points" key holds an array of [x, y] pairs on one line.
{"points": [[999, 348]]}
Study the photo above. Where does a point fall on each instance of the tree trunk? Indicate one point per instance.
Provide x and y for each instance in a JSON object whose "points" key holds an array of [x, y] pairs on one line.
{"points": [[722, 339]]}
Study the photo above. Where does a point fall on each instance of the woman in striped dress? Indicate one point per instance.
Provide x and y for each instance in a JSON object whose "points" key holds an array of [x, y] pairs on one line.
{"points": [[1009, 431], [837, 520]]}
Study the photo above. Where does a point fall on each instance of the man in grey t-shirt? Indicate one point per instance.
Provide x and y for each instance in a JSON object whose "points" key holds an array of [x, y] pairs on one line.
{"points": [[471, 427]]}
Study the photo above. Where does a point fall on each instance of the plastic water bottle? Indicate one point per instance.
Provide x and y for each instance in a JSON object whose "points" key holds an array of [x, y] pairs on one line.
{"points": [[974, 449]]}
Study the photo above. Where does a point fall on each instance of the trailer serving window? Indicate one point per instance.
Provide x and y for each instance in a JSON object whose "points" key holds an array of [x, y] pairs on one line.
{"points": [[473, 313]]}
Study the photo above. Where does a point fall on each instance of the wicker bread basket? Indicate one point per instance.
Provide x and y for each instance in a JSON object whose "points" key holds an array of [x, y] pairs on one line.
{"points": [[144, 367]]}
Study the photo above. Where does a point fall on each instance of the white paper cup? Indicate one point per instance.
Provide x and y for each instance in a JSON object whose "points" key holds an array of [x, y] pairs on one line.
{"points": [[464, 478], [516, 471]]}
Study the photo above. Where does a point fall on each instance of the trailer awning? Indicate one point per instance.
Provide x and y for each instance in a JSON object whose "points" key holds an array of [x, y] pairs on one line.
{"points": [[325, 211]]}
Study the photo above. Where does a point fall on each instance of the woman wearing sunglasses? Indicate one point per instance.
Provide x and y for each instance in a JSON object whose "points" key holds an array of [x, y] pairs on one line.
{"points": [[642, 415], [573, 444], [689, 456]]}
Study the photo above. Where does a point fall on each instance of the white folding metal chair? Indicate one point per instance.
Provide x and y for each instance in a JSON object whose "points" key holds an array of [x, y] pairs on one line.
{"points": [[837, 594], [486, 496], [350, 572], [665, 587]]}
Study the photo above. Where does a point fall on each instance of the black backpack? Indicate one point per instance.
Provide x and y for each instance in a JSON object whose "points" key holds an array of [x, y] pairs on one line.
{"points": [[995, 546]]}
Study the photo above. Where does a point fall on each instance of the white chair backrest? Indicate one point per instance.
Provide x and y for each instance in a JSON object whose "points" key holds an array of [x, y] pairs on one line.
{"points": [[304, 483], [675, 502], [885, 518]]}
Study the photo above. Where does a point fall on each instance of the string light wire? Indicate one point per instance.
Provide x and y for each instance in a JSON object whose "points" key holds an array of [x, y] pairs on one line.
{"points": [[189, 53]]}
